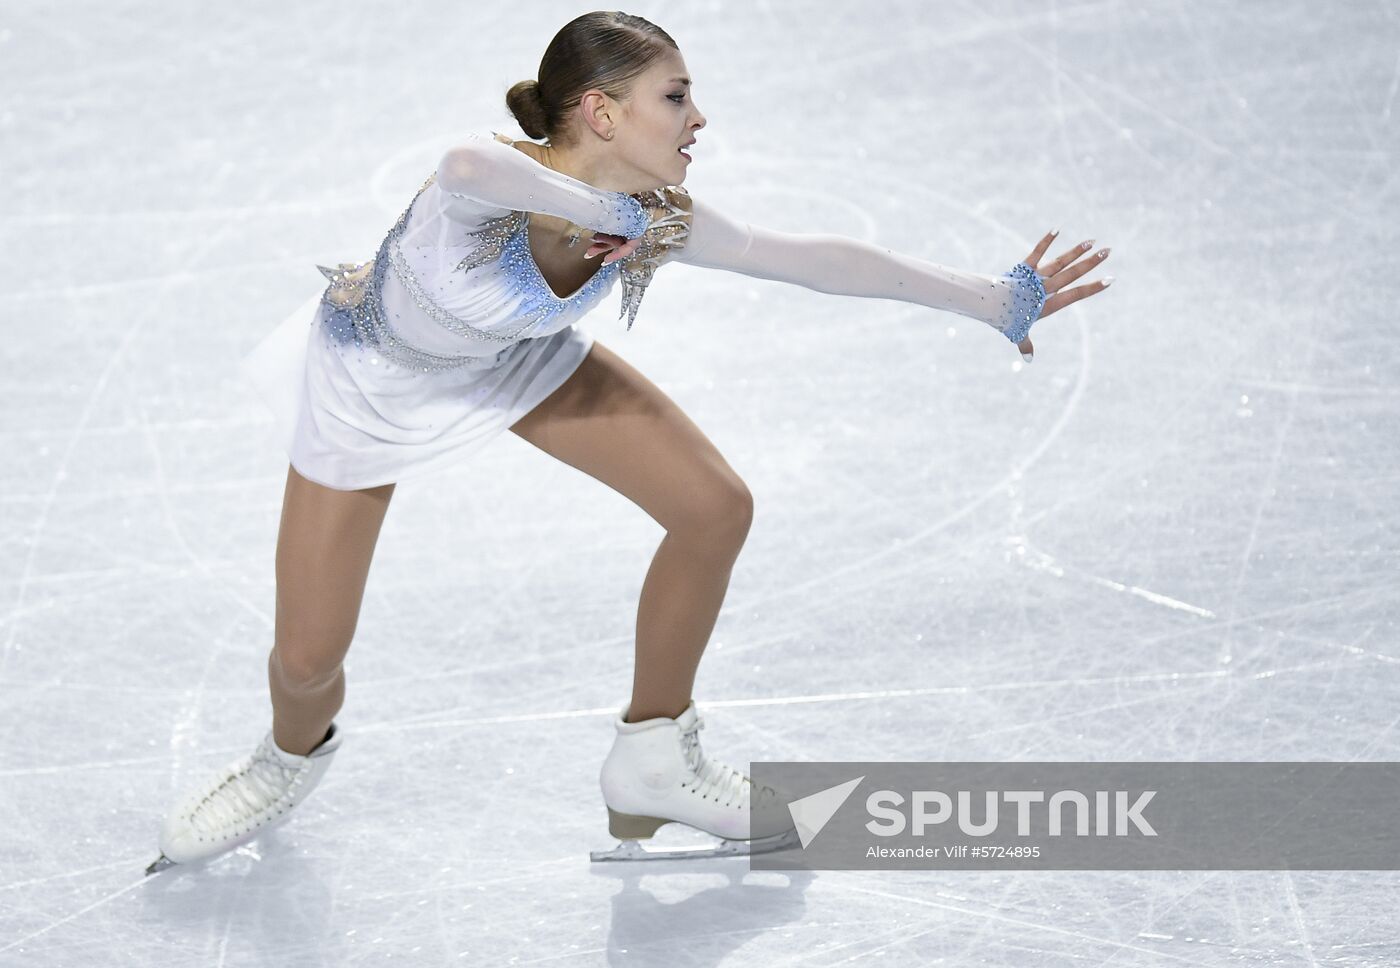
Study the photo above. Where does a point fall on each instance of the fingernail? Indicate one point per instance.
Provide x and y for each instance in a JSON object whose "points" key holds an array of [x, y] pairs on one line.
{"points": [[1054, 232], [1027, 356], [589, 255], [1107, 281]]}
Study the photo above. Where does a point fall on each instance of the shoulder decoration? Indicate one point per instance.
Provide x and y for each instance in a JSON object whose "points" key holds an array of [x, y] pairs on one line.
{"points": [[669, 230], [492, 238], [349, 281], [352, 281]]}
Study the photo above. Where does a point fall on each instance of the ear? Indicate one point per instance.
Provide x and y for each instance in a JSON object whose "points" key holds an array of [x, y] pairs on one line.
{"points": [[597, 108]]}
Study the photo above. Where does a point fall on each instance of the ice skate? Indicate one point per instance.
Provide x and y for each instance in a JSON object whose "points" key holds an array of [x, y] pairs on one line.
{"points": [[657, 774], [242, 800]]}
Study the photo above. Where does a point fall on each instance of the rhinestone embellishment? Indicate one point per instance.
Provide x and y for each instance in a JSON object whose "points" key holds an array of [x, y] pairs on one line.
{"points": [[494, 234], [357, 314], [1027, 300], [667, 233]]}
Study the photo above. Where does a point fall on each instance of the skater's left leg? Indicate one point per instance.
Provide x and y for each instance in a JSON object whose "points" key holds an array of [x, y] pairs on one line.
{"points": [[612, 423]]}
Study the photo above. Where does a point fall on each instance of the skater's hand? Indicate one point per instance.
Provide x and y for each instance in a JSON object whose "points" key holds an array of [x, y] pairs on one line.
{"points": [[1059, 273], [617, 246]]}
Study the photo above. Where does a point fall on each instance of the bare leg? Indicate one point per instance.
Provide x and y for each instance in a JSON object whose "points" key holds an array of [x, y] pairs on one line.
{"points": [[614, 424], [324, 546]]}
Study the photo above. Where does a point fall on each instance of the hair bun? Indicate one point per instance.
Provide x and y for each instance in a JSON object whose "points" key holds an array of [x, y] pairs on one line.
{"points": [[525, 100]]}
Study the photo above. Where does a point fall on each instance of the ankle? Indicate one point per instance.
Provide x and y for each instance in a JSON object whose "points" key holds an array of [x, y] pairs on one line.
{"points": [[299, 747], [638, 714]]}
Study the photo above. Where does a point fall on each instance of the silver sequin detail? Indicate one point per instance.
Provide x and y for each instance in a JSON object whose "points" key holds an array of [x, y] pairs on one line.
{"points": [[493, 235], [666, 233], [449, 321], [508, 245], [357, 314]]}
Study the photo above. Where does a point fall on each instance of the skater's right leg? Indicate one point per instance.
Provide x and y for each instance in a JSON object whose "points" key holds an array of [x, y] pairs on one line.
{"points": [[324, 547]]}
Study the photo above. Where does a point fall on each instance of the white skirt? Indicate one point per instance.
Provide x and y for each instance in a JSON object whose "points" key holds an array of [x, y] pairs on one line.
{"points": [[348, 419]]}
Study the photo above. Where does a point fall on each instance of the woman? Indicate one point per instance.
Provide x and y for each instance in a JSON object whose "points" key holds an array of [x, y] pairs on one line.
{"points": [[462, 326]]}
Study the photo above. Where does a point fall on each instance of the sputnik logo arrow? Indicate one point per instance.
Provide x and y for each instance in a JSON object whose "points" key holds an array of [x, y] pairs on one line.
{"points": [[811, 813]]}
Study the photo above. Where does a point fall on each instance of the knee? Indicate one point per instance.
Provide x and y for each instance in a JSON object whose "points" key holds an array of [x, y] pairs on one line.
{"points": [[301, 669], [740, 508], [719, 513]]}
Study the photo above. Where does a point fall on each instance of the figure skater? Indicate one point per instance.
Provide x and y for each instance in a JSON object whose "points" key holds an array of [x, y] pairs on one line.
{"points": [[463, 324]]}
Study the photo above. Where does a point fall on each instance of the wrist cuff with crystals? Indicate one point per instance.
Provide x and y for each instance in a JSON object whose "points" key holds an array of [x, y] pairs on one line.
{"points": [[636, 216], [1027, 300]]}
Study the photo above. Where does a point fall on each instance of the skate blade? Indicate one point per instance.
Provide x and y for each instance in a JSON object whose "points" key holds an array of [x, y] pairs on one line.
{"points": [[159, 864], [635, 850]]}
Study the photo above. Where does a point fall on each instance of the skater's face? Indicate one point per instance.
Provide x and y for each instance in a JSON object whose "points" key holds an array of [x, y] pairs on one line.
{"points": [[654, 124], [661, 118]]}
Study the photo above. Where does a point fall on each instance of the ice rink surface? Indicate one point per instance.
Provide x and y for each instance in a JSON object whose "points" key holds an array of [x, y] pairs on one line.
{"points": [[1170, 537]]}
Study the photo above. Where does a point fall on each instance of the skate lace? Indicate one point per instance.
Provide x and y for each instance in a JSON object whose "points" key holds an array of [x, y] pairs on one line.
{"points": [[712, 776], [245, 793]]}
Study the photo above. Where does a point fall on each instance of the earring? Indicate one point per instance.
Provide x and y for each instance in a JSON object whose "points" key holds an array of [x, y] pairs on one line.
{"points": [[610, 134]]}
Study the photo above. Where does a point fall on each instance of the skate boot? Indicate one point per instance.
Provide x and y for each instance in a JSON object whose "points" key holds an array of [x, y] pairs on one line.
{"points": [[657, 773], [240, 801]]}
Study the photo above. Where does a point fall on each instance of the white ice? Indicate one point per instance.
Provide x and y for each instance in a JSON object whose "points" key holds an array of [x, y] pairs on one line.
{"points": [[1173, 536]]}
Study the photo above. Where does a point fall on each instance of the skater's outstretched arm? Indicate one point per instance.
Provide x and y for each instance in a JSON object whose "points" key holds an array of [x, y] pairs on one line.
{"points": [[492, 173], [844, 266], [851, 267]]}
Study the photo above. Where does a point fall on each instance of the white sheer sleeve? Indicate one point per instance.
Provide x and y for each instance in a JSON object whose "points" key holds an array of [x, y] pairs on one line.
{"points": [[845, 266], [492, 173]]}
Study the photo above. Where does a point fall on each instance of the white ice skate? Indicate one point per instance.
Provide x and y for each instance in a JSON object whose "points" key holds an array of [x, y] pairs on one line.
{"points": [[243, 799], [657, 773]]}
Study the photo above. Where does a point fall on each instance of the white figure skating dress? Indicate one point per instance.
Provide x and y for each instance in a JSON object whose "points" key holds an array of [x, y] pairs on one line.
{"points": [[409, 362]]}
